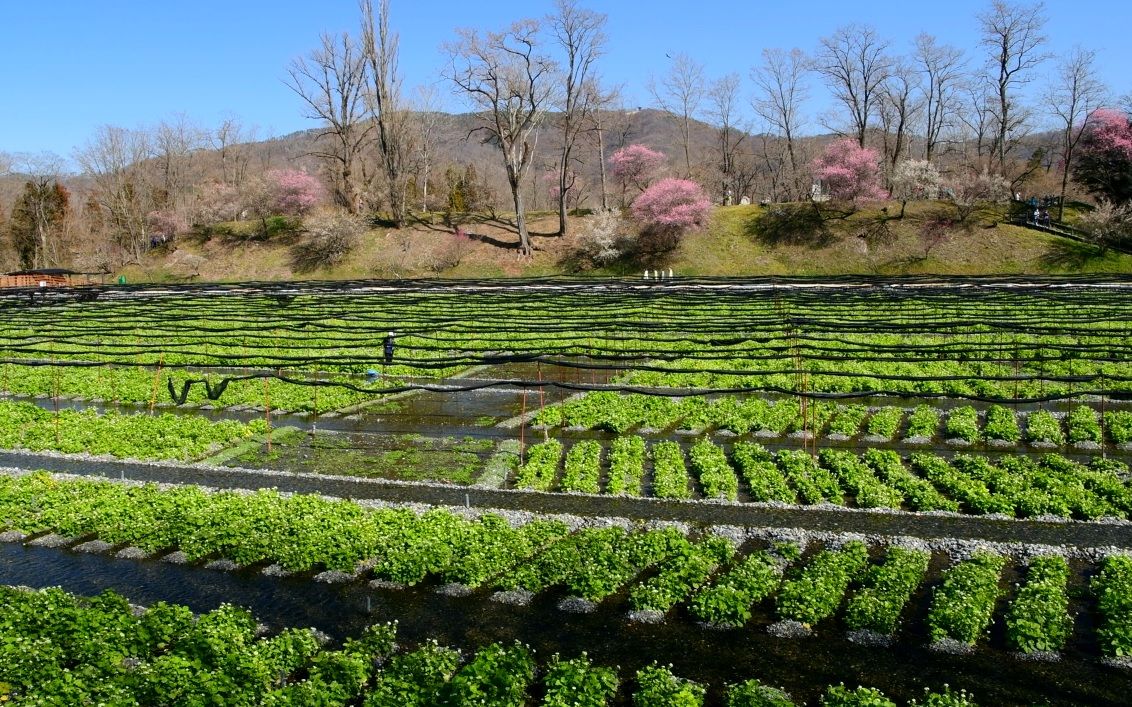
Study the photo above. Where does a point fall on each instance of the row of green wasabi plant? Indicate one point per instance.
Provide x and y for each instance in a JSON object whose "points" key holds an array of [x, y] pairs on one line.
{"points": [[614, 412], [137, 436], [963, 605], [1038, 620], [814, 593], [65, 649], [658, 568], [140, 386], [1017, 486]]}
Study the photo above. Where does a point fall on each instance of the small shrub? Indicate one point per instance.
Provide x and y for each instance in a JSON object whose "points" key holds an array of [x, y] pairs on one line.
{"points": [[330, 237], [605, 240]]}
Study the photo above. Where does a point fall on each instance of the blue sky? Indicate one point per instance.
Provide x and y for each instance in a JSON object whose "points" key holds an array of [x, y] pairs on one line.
{"points": [[72, 65]]}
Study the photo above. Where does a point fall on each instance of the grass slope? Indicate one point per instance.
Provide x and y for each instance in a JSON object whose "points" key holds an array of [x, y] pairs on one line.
{"points": [[737, 241]]}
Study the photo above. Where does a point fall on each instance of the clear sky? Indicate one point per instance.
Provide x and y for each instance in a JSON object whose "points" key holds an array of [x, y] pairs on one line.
{"points": [[69, 66]]}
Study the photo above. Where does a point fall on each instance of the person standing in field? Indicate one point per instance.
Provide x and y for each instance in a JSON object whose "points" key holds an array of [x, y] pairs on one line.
{"points": [[387, 345]]}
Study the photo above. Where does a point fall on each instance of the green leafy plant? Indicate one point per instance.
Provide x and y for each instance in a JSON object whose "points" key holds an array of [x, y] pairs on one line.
{"points": [[669, 472], [1084, 425], [1001, 425], [1113, 589], [815, 591], [578, 683], [626, 466], [714, 472], [963, 605], [753, 693], [729, 600], [963, 423], [1039, 620], [583, 468], [923, 422], [762, 475], [885, 590], [658, 687], [1042, 426], [541, 468], [885, 422]]}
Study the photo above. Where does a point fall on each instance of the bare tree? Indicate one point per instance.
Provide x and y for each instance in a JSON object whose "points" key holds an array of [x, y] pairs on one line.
{"points": [[1012, 35], [1075, 94], [600, 119], [384, 100], [680, 93], [941, 68], [228, 140], [511, 83], [778, 101], [175, 143], [40, 214], [426, 125], [113, 160], [899, 107], [723, 97], [581, 36], [332, 81], [855, 66], [977, 123]]}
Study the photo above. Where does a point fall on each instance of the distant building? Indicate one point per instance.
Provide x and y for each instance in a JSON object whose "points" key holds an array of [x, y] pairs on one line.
{"points": [[45, 277]]}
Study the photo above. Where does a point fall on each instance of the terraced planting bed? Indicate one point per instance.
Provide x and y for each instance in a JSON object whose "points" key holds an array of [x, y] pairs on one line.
{"points": [[694, 492]]}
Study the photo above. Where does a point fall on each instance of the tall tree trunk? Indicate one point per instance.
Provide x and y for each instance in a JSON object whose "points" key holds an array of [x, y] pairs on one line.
{"points": [[520, 218], [562, 186], [601, 163]]}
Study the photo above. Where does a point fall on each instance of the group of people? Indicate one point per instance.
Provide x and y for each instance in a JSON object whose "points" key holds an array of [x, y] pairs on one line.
{"points": [[1040, 214]]}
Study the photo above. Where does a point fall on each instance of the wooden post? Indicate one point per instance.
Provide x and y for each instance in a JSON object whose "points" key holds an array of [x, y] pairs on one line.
{"points": [[156, 377], [541, 400], [1100, 380], [522, 427], [267, 412], [55, 400]]}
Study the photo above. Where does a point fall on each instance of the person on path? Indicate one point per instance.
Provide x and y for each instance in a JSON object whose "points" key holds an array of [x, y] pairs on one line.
{"points": [[387, 345]]}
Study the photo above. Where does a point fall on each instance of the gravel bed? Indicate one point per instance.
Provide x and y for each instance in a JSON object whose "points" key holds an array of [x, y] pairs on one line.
{"points": [[516, 597], [577, 605], [789, 629], [951, 646], [647, 616], [454, 589], [52, 540], [94, 547], [866, 637], [334, 577]]}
